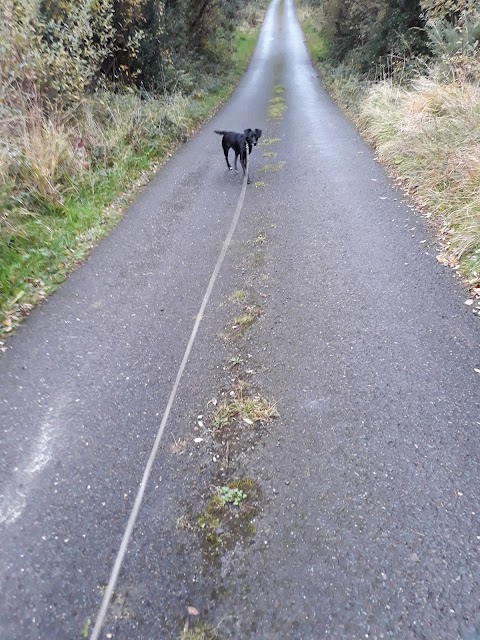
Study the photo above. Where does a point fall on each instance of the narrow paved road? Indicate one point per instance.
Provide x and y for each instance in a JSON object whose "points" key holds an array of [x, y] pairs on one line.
{"points": [[367, 522]]}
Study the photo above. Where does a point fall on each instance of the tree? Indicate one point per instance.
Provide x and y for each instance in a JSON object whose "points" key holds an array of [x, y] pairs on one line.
{"points": [[366, 30]]}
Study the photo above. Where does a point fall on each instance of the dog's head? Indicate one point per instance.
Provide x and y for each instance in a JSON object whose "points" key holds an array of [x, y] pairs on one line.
{"points": [[252, 136]]}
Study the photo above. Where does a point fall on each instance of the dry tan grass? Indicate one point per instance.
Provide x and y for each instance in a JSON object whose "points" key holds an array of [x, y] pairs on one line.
{"points": [[430, 133], [44, 153], [251, 15], [48, 157], [245, 407]]}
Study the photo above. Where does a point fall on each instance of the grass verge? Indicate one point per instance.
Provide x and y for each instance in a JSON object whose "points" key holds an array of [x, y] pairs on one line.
{"points": [[66, 178], [426, 132]]}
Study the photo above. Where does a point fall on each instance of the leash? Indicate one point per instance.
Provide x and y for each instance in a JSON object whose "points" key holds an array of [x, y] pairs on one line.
{"points": [[110, 588]]}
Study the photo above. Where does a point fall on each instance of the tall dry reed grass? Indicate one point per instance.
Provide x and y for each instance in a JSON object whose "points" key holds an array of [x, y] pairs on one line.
{"points": [[46, 156], [430, 134]]}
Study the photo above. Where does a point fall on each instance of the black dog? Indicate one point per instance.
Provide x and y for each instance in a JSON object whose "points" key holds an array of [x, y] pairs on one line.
{"points": [[239, 142]]}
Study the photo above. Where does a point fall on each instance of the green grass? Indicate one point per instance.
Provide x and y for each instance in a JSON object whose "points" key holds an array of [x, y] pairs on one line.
{"points": [[272, 167], [268, 141], [86, 628], [316, 41], [244, 321], [238, 296], [276, 107], [42, 249], [244, 45], [199, 632]]}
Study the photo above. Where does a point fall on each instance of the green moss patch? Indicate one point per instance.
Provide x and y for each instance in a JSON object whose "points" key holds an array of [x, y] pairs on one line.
{"points": [[199, 632], [242, 322], [268, 141], [272, 167], [276, 107], [226, 522]]}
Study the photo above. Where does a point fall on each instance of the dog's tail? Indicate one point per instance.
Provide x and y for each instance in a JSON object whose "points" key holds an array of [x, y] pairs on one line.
{"points": [[222, 133]]}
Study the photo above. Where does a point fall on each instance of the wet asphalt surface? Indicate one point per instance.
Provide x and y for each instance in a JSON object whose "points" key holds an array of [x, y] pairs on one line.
{"points": [[369, 518]]}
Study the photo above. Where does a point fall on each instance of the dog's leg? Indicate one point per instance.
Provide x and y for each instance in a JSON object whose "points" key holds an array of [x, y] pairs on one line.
{"points": [[236, 158], [225, 151], [244, 161]]}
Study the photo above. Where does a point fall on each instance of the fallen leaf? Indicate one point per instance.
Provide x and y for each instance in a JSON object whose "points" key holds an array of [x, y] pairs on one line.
{"points": [[247, 420], [193, 611]]}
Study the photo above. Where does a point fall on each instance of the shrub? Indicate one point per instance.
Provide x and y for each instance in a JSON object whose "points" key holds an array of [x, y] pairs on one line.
{"points": [[455, 47], [48, 61]]}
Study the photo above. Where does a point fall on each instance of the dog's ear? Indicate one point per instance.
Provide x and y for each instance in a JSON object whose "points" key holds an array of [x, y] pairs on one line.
{"points": [[247, 132], [258, 132]]}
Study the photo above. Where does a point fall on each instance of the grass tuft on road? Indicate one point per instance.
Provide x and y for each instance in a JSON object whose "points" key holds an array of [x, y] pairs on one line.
{"points": [[272, 167], [276, 105], [199, 632], [243, 408]]}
